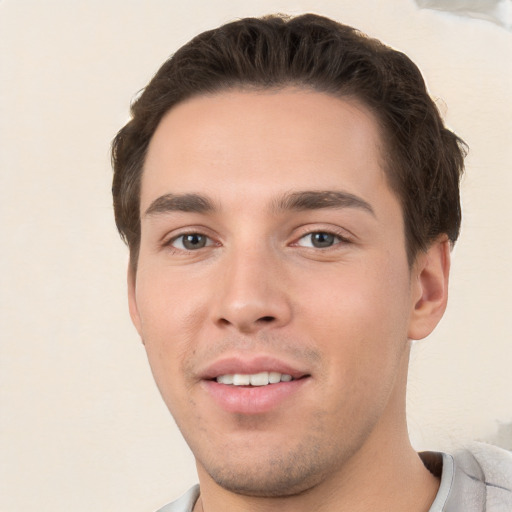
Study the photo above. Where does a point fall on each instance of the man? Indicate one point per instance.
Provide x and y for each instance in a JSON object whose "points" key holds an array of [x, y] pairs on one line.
{"points": [[290, 196]]}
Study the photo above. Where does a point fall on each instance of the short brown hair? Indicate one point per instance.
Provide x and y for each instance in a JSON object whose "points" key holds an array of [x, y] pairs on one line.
{"points": [[424, 160]]}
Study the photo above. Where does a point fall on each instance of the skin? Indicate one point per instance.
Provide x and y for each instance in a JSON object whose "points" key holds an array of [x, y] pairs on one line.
{"points": [[343, 314]]}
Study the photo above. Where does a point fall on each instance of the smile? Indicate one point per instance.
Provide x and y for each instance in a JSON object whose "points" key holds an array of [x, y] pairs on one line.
{"points": [[254, 379]]}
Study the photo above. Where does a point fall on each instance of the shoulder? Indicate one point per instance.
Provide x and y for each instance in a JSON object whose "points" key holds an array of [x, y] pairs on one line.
{"points": [[489, 469], [183, 504]]}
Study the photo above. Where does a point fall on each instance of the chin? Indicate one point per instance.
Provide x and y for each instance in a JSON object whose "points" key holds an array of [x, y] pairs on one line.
{"points": [[270, 481], [275, 473]]}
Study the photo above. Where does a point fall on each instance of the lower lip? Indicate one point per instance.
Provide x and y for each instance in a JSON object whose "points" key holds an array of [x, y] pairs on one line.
{"points": [[252, 399]]}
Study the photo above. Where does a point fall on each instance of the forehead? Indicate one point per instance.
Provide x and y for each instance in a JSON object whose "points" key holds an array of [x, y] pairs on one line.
{"points": [[268, 141]]}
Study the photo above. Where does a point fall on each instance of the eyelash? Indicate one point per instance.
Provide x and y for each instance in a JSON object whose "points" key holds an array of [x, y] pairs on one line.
{"points": [[337, 239], [340, 235], [337, 234], [169, 243]]}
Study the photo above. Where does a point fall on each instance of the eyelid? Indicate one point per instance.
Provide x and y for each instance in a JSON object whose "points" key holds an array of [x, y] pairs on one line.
{"points": [[170, 238], [336, 241], [171, 242], [344, 235]]}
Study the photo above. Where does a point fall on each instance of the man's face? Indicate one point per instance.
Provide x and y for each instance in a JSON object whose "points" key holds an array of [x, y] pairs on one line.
{"points": [[271, 244]]}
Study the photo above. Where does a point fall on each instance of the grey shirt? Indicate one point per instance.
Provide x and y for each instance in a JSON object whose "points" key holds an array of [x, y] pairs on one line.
{"points": [[476, 479]]}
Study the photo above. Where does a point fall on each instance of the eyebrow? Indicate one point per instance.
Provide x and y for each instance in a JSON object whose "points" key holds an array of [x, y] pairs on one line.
{"points": [[194, 203], [292, 201], [318, 199]]}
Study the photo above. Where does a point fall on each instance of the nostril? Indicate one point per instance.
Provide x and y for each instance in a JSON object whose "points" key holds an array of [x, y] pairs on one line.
{"points": [[267, 319]]}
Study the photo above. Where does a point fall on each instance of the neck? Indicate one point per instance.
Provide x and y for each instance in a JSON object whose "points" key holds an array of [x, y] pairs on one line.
{"points": [[384, 474]]}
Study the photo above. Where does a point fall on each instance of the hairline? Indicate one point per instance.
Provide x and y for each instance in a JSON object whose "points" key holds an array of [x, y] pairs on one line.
{"points": [[386, 159]]}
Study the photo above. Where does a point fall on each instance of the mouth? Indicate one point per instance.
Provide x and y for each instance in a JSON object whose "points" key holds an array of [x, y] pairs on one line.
{"points": [[254, 379], [253, 386], [256, 372]]}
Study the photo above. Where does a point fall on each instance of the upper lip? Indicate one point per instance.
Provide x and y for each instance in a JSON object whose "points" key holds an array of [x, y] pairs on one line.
{"points": [[229, 365]]}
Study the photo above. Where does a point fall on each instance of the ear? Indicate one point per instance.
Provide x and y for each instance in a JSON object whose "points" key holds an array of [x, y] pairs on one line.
{"points": [[429, 288], [132, 300]]}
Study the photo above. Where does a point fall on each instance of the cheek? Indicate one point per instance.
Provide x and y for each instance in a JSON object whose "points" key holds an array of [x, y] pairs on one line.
{"points": [[359, 315], [169, 306], [170, 321]]}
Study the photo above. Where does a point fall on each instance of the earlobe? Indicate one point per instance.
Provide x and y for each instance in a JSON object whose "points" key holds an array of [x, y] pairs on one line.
{"points": [[132, 301], [430, 288]]}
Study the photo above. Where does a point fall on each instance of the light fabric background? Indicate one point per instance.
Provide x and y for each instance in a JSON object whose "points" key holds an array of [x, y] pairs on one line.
{"points": [[82, 425]]}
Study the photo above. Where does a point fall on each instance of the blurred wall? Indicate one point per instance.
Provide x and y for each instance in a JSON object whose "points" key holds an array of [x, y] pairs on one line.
{"points": [[82, 425]]}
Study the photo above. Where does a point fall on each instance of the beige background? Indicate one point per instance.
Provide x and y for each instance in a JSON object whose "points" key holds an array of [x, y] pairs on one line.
{"points": [[82, 425]]}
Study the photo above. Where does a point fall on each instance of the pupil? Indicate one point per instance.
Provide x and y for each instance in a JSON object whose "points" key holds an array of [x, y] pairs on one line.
{"points": [[194, 241], [323, 239]]}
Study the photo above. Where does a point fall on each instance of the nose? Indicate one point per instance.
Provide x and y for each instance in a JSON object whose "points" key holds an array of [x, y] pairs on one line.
{"points": [[252, 292]]}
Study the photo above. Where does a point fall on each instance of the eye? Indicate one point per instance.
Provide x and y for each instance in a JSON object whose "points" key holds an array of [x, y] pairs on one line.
{"points": [[319, 240], [190, 241]]}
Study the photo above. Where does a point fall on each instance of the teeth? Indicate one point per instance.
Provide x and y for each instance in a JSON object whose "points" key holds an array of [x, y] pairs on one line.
{"points": [[225, 379], [241, 380], [254, 379], [274, 377], [259, 379]]}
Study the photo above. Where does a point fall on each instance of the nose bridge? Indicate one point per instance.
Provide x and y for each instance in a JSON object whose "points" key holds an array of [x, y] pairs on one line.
{"points": [[252, 294]]}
